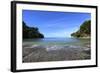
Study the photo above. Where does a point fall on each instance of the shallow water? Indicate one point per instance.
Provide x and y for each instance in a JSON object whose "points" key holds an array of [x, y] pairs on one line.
{"points": [[56, 49], [57, 41]]}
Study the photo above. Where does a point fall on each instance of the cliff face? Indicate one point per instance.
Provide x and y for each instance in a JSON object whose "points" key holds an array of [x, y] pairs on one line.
{"points": [[31, 32], [84, 30]]}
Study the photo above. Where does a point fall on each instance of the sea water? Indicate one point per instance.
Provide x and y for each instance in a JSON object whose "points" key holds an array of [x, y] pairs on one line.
{"points": [[58, 41]]}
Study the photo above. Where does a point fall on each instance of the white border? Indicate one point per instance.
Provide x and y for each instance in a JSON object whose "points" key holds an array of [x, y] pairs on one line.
{"points": [[21, 65]]}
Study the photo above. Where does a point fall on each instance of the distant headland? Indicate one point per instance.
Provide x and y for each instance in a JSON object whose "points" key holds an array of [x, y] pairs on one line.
{"points": [[31, 32], [84, 31]]}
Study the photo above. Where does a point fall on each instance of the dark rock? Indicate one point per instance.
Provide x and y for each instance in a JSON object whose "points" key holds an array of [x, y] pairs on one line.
{"points": [[31, 32]]}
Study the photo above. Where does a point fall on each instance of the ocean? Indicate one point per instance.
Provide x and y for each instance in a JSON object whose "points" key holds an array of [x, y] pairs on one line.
{"points": [[58, 41]]}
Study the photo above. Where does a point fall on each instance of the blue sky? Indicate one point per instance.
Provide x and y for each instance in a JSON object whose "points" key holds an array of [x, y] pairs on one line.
{"points": [[55, 24]]}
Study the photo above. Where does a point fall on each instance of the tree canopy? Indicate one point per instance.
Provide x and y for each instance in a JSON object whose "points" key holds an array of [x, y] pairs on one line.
{"points": [[31, 32], [84, 30]]}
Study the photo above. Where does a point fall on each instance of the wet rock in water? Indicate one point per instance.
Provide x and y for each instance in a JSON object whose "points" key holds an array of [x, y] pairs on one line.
{"points": [[32, 48], [88, 46], [40, 53], [35, 54], [26, 45], [87, 51]]}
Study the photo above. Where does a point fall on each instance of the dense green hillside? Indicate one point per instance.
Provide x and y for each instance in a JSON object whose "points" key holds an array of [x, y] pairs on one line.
{"points": [[31, 32], [84, 30]]}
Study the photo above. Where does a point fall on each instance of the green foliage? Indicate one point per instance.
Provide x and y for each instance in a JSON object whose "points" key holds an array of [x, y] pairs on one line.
{"points": [[31, 32], [86, 27], [84, 31]]}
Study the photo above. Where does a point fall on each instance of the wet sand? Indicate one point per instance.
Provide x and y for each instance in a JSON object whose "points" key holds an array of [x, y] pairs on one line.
{"points": [[40, 53]]}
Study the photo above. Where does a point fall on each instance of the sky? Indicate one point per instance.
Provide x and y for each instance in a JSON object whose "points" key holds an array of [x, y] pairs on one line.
{"points": [[55, 24]]}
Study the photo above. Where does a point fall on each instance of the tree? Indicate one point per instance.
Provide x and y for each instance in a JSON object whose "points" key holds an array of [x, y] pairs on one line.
{"points": [[31, 32], [84, 30]]}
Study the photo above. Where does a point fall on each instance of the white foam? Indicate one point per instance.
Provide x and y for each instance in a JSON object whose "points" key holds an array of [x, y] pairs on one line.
{"points": [[54, 47]]}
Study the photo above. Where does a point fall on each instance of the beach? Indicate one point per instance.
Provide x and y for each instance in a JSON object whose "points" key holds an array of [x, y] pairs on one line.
{"points": [[45, 53]]}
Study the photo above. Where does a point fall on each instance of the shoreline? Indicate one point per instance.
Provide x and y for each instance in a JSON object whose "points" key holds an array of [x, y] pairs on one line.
{"points": [[83, 37], [38, 53]]}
